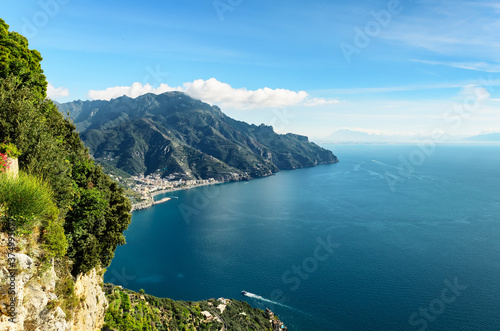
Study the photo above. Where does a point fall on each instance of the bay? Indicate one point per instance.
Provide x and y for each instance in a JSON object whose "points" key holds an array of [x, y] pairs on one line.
{"points": [[370, 243]]}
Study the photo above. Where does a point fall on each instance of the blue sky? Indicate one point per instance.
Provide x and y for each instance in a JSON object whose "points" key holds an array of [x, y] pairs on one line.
{"points": [[309, 67]]}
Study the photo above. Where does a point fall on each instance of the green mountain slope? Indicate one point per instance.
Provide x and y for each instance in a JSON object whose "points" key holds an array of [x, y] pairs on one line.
{"points": [[129, 310], [175, 134]]}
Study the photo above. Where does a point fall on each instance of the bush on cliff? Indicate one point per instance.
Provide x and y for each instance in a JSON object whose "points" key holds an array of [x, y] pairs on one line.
{"points": [[27, 203]]}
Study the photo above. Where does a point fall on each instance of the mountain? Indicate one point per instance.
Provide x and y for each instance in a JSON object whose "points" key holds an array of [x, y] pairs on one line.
{"points": [[487, 137], [174, 134]]}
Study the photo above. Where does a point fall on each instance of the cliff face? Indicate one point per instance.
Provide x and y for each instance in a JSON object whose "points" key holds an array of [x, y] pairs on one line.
{"points": [[90, 316], [31, 294]]}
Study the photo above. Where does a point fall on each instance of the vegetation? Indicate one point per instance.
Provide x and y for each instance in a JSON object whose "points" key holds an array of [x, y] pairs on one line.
{"points": [[19, 61], [27, 206], [91, 208], [9, 150], [177, 134], [129, 310]]}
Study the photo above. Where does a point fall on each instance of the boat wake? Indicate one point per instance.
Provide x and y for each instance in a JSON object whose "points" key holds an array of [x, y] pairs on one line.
{"points": [[258, 297]]}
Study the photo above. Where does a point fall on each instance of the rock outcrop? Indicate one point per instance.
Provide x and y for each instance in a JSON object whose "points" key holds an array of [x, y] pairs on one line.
{"points": [[31, 296], [90, 316]]}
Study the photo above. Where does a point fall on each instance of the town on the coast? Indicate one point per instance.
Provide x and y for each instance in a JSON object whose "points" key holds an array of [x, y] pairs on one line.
{"points": [[142, 189]]}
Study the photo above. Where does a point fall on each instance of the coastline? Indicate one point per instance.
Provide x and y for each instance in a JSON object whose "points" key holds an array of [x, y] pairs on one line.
{"points": [[155, 193], [151, 202]]}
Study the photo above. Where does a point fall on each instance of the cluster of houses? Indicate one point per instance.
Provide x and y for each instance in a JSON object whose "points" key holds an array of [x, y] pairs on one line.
{"points": [[221, 307], [276, 324], [145, 185]]}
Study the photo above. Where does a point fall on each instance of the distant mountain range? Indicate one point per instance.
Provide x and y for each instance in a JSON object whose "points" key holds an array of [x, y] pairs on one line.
{"points": [[486, 137], [355, 136], [177, 135]]}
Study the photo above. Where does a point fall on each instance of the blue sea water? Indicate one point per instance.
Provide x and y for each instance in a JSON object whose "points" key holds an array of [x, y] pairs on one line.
{"points": [[390, 238]]}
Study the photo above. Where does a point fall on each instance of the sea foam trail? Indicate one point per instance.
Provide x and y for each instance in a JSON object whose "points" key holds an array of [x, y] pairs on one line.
{"points": [[258, 297]]}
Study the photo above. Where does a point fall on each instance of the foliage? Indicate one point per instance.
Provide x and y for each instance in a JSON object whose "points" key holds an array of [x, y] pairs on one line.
{"points": [[37, 129], [9, 149], [129, 310], [94, 209], [28, 202], [54, 239], [26, 196], [95, 224], [65, 289], [16, 59]]}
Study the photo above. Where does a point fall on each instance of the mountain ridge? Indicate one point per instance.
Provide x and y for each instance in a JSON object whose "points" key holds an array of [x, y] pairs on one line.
{"points": [[174, 134]]}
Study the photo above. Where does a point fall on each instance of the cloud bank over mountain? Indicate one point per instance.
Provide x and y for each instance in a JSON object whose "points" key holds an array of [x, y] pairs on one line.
{"points": [[219, 93]]}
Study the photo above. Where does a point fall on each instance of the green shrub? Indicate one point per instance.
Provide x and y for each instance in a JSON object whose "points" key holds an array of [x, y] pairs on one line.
{"points": [[55, 241], [28, 202], [65, 291], [26, 197]]}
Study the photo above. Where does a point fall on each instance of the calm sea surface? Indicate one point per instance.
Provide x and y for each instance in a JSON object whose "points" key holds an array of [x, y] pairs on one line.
{"points": [[390, 238]]}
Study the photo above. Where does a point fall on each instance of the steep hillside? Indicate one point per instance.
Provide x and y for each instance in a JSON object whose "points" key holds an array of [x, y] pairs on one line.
{"points": [[175, 134], [129, 310]]}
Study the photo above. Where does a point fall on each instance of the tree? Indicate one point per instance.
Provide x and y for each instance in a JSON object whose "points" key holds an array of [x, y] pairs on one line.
{"points": [[17, 60], [92, 207]]}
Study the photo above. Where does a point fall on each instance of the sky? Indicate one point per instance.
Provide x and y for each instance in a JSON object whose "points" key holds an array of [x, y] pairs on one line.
{"points": [[387, 67]]}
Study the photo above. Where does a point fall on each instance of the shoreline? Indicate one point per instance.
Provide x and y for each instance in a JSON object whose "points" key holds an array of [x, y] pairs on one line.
{"points": [[151, 202], [155, 193]]}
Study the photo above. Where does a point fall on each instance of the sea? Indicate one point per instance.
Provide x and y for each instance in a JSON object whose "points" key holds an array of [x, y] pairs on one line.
{"points": [[393, 237]]}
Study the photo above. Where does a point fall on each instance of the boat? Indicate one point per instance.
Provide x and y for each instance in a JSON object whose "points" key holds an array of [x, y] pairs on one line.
{"points": [[244, 292]]}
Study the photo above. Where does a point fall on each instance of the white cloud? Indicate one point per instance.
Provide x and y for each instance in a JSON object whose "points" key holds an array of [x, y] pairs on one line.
{"points": [[219, 93], [137, 89], [223, 94], [56, 92]]}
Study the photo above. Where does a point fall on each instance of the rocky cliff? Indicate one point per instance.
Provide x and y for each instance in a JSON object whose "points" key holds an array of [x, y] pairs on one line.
{"points": [[35, 296]]}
